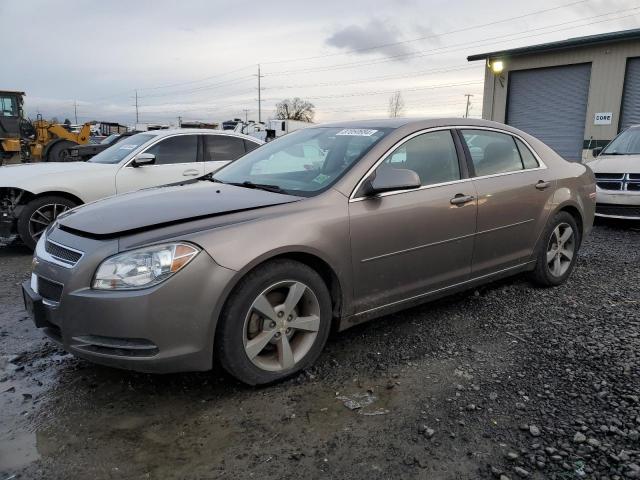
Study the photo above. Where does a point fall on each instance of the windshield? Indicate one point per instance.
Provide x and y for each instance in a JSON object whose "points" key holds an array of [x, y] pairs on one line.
{"points": [[627, 143], [305, 162], [115, 153], [110, 138]]}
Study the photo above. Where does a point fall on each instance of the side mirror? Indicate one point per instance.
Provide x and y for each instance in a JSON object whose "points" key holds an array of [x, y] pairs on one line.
{"points": [[143, 159], [391, 179], [596, 151]]}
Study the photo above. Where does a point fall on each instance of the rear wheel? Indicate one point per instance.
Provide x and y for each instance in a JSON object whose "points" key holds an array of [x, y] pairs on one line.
{"points": [[275, 323], [59, 151], [38, 214], [558, 251]]}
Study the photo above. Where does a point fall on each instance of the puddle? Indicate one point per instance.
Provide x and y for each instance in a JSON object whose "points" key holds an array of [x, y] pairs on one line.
{"points": [[363, 404], [18, 452], [23, 449]]}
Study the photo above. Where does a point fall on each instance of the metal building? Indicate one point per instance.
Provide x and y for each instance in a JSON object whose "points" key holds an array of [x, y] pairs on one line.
{"points": [[574, 95]]}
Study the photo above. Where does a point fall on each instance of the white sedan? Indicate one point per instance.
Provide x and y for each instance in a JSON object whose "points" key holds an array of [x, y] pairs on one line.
{"points": [[33, 195]]}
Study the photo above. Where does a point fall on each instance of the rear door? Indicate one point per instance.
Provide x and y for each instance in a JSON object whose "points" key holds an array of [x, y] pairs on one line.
{"points": [[219, 150], [176, 160], [515, 192], [407, 243]]}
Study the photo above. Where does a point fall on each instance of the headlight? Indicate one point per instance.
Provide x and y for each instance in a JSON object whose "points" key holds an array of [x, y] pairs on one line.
{"points": [[144, 267]]}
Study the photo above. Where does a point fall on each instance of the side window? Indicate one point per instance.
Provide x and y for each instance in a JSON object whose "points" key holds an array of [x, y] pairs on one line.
{"points": [[431, 155], [249, 145], [179, 149], [8, 107], [492, 152], [528, 160], [222, 147]]}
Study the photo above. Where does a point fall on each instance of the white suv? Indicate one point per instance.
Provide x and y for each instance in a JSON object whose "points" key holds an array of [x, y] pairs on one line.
{"points": [[33, 195]]}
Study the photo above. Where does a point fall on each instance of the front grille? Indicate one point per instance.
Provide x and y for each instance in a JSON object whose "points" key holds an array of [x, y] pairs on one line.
{"points": [[627, 182], [62, 254], [610, 185], [618, 210], [49, 290], [609, 176]]}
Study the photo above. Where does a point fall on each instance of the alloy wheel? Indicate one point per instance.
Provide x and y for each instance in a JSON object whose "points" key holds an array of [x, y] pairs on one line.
{"points": [[42, 218], [561, 249], [281, 326]]}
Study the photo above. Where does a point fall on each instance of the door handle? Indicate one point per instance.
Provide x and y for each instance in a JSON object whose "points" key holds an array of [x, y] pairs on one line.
{"points": [[460, 199], [541, 185], [192, 172]]}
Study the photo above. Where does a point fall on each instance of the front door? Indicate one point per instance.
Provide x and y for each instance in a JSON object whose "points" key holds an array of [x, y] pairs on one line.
{"points": [[176, 160], [408, 243], [515, 193]]}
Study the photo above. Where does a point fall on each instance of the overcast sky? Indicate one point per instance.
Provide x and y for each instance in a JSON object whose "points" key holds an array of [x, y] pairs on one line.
{"points": [[198, 59]]}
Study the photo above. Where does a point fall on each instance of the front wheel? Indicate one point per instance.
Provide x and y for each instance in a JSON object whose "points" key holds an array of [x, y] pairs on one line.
{"points": [[275, 323], [38, 214], [59, 152], [558, 251]]}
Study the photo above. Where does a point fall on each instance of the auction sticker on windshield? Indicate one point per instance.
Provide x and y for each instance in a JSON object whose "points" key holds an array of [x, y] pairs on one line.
{"points": [[358, 132]]}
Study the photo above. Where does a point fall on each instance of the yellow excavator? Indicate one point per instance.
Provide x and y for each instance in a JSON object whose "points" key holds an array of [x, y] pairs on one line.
{"points": [[38, 140]]}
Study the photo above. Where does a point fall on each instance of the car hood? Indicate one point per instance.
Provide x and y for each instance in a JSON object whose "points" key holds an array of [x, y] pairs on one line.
{"points": [[616, 164], [163, 206], [18, 175]]}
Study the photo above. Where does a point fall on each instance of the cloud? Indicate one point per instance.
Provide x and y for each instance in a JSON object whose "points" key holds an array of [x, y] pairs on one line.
{"points": [[360, 38]]}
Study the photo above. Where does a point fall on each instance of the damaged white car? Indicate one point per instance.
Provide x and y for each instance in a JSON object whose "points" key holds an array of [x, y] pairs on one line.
{"points": [[33, 195]]}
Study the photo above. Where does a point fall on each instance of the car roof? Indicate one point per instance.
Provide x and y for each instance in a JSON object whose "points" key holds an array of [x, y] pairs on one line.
{"points": [[173, 131], [425, 122]]}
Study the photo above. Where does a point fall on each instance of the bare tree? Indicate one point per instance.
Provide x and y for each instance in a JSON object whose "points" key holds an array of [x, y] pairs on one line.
{"points": [[396, 105], [295, 109]]}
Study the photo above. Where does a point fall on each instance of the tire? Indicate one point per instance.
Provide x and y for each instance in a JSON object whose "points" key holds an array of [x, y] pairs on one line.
{"points": [[58, 151], [242, 325], [546, 272], [36, 213]]}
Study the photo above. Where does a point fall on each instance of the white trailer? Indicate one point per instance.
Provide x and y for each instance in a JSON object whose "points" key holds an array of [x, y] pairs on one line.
{"points": [[282, 127]]}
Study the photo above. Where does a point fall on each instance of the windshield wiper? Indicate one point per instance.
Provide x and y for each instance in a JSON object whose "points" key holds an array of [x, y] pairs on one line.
{"points": [[210, 178], [617, 153], [258, 186]]}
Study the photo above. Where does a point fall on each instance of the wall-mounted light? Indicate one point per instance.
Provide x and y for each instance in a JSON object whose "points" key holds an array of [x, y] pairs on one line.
{"points": [[496, 66]]}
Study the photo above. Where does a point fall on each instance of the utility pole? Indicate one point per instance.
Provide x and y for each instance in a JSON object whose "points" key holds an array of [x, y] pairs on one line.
{"points": [[75, 110], [136, 106], [466, 113], [259, 96], [246, 115]]}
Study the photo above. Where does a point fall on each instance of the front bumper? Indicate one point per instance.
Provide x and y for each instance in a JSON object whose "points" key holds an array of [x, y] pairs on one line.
{"points": [[618, 204], [165, 328]]}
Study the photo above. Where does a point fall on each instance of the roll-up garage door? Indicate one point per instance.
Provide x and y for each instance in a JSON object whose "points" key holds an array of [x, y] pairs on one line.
{"points": [[551, 104], [631, 99]]}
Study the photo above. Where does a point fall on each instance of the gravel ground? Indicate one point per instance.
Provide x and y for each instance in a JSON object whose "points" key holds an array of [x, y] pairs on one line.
{"points": [[509, 381]]}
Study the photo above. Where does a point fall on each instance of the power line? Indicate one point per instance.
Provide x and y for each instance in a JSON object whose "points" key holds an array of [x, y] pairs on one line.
{"points": [[404, 42], [438, 50], [232, 82], [381, 92], [199, 80]]}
